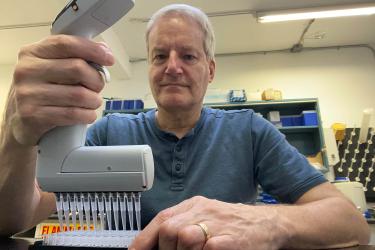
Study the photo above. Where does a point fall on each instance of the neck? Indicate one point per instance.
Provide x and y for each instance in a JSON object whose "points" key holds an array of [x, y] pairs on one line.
{"points": [[177, 122]]}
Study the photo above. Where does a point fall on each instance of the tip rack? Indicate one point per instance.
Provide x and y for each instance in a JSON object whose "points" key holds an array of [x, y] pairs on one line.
{"points": [[106, 238], [116, 227]]}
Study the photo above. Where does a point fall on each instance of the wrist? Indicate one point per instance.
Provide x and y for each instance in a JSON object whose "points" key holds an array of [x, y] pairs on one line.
{"points": [[283, 229], [10, 146]]}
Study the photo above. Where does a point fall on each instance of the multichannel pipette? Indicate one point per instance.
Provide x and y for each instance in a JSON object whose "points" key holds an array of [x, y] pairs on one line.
{"points": [[98, 181]]}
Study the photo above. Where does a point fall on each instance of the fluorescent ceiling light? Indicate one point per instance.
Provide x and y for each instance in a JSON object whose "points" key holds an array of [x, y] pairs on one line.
{"points": [[315, 13]]}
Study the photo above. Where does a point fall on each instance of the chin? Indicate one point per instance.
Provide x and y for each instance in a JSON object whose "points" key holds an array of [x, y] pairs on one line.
{"points": [[174, 103]]}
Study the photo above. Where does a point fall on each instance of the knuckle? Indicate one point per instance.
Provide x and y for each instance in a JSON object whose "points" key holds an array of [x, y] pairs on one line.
{"points": [[60, 42], [77, 67], [91, 117], [77, 95], [198, 198], [23, 51], [21, 72], [164, 215], [99, 87], [212, 244], [185, 238], [98, 102], [71, 113], [77, 115], [168, 231], [21, 94]]}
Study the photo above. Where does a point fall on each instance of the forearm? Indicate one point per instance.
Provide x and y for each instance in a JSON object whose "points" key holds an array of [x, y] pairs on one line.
{"points": [[19, 194], [328, 223], [16, 187]]}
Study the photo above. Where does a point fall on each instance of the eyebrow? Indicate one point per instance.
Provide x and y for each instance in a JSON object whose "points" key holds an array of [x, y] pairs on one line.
{"points": [[184, 47], [157, 50], [189, 48]]}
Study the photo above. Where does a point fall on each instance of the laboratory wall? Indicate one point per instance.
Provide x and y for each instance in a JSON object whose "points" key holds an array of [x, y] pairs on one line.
{"points": [[343, 80]]}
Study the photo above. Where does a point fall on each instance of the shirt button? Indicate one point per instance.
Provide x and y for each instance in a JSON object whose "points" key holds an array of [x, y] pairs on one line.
{"points": [[178, 167], [178, 148]]}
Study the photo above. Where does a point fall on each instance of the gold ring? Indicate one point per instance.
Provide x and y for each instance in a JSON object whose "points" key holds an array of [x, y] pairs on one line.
{"points": [[204, 229]]}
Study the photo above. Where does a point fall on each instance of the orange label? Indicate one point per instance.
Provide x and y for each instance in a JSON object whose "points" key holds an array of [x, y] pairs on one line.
{"points": [[49, 228]]}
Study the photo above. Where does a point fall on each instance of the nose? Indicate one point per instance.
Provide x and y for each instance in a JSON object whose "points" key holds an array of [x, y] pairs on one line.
{"points": [[173, 64]]}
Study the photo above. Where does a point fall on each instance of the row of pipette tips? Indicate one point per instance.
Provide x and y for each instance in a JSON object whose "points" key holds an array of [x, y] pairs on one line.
{"points": [[87, 205]]}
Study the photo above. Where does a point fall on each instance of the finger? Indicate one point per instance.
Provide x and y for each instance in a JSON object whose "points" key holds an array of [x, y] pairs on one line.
{"points": [[168, 236], [66, 116], [73, 71], [58, 116], [58, 95], [222, 242], [60, 71], [149, 236], [191, 237], [42, 119], [65, 46], [169, 231]]}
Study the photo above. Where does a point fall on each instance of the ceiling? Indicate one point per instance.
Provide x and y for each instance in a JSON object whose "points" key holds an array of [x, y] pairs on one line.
{"points": [[238, 33]]}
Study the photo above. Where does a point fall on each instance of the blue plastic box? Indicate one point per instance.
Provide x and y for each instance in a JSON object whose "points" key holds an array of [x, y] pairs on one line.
{"points": [[297, 120], [133, 104], [124, 104], [116, 105], [291, 120], [310, 118], [138, 104], [128, 104], [108, 105], [286, 121]]}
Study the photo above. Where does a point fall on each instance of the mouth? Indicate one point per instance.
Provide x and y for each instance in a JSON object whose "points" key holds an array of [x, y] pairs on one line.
{"points": [[173, 85]]}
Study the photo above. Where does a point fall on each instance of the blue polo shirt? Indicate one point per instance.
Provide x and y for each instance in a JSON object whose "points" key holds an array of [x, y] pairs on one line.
{"points": [[224, 157]]}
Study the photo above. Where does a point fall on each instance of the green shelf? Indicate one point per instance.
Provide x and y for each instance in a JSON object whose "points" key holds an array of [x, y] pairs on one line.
{"points": [[299, 129]]}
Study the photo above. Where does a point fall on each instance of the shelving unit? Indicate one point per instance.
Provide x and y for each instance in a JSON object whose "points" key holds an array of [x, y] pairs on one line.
{"points": [[308, 140], [125, 111]]}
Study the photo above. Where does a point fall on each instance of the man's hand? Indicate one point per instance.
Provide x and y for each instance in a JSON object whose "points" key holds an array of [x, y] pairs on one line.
{"points": [[321, 218], [53, 85], [229, 226]]}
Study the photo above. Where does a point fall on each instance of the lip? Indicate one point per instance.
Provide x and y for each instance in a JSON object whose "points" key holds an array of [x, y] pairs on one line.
{"points": [[173, 85]]}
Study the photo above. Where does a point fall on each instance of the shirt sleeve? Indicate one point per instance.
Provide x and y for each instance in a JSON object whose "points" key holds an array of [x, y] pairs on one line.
{"points": [[97, 133], [279, 168]]}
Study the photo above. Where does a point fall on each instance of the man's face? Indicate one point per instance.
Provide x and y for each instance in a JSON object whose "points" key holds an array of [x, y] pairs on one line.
{"points": [[179, 70]]}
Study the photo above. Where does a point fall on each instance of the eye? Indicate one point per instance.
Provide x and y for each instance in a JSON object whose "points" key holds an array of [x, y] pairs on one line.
{"points": [[159, 58], [189, 57]]}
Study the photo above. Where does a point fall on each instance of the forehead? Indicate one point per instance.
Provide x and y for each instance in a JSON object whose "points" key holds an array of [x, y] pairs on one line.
{"points": [[176, 30]]}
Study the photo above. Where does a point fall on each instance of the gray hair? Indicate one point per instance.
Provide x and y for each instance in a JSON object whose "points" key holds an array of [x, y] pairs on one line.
{"points": [[196, 14]]}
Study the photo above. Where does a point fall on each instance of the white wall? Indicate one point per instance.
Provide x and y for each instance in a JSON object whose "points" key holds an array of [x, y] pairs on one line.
{"points": [[343, 80]]}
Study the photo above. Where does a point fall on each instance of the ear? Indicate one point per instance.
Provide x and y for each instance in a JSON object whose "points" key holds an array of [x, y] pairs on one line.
{"points": [[212, 68]]}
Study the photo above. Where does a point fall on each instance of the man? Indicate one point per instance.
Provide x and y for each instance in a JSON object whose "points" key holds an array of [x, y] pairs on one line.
{"points": [[200, 154]]}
